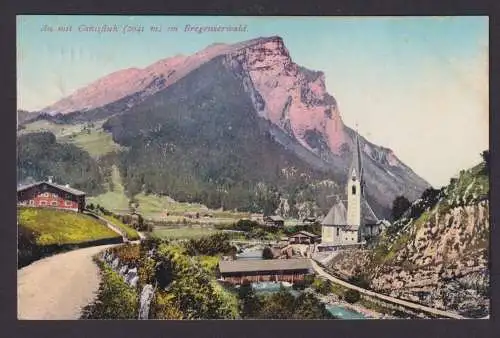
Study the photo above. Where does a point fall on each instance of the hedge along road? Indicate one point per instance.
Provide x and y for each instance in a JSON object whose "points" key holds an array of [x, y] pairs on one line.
{"points": [[58, 287]]}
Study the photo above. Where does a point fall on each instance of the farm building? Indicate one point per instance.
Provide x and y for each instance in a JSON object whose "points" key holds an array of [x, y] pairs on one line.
{"points": [[52, 195], [276, 221], [303, 237], [289, 270]]}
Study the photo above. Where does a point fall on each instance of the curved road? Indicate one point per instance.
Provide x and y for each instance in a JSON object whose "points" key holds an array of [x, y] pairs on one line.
{"points": [[58, 287]]}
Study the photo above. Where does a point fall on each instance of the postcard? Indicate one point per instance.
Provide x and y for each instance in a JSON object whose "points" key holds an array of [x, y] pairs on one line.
{"points": [[225, 167]]}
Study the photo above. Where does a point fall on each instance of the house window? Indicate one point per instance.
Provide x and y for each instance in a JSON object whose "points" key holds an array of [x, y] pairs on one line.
{"points": [[54, 195], [354, 190], [54, 203], [68, 196], [67, 203], [43, 202], [32, 202], [45, 194], [338, 232]]}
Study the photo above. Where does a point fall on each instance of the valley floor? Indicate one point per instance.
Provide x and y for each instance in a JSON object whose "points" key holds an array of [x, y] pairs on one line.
{"points": [[58, 287]]}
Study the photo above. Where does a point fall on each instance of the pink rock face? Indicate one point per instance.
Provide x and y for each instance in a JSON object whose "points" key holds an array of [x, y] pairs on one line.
{"points": [[289, 95], [126, 82], [293, 96], [392, 159]]}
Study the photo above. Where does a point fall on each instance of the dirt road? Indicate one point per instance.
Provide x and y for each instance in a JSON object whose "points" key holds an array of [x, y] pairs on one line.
{"points": [[58, 287]]}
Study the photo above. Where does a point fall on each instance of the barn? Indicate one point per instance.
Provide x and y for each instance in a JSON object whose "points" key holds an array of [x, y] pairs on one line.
{"points": [[51, 195], [288, 270]]}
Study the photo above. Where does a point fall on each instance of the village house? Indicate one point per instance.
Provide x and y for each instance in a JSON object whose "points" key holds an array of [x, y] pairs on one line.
{"points": [[52, 195], [274, 221], [287, 270], [303, 237]]}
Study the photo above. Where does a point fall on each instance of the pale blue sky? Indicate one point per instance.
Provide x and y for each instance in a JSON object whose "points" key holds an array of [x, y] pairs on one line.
{"points": [[416, 85]]}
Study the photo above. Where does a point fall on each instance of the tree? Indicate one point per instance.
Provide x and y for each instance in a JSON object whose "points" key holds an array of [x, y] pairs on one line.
{"points": [[486, 158], [278, 306], [309, 307], [399, 206], [352, 296], [430, 194], [267, 253], [322, 286], [361, 280], [249, 302]]}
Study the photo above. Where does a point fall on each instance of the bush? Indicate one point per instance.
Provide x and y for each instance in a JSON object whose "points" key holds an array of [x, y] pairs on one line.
{"points": [[115, 299], [399, 206], [360, 280], [267, 253], [210, 245], [322, 286], [352, 296]]}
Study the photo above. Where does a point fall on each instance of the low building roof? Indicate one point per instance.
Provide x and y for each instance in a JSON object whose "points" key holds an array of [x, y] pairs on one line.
{"points": [[264, 265], [304, 233], [57, 186], [276, 218]]}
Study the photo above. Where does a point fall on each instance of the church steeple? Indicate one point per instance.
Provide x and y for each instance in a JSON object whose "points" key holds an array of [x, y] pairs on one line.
{"points": [[355, 186], [356, 168]]}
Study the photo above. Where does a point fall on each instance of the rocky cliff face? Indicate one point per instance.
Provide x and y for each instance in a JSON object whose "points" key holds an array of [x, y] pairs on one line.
{"points": [[437, 254], [304, 118]]}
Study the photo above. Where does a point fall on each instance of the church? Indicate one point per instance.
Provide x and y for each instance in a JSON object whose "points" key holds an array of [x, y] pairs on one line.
{"points": [[350, 227]]}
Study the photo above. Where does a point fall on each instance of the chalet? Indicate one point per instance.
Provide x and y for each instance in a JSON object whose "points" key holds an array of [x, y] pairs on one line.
{"points": [[303, 237], [289, 270], [274, 221], [52, 195]]}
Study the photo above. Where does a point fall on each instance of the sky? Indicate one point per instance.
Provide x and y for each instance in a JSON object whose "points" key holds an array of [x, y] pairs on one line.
{"points": [[417, 85]]}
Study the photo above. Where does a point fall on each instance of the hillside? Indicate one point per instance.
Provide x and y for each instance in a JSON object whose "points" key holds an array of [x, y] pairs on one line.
{"points": [[39, 155], [437, 253], [237, 125], [49, 226]]}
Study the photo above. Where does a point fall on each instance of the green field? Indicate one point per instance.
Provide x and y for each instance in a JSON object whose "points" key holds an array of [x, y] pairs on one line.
{"points": [[155, 207], [182, 233], [91, 138], [62, 227], [59, 130], [115, 200], [96, 143], [130, 232]]}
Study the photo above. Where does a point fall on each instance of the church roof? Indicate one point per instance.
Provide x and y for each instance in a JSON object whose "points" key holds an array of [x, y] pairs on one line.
{"points": [[337, 215], [367, 214]]}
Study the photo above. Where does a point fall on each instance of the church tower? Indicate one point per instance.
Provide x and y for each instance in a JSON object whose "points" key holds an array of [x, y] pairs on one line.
{"points": [[354, 186]]}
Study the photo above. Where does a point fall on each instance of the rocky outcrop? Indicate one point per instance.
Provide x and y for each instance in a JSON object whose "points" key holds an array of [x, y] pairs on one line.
{"points": [[444, 262]]}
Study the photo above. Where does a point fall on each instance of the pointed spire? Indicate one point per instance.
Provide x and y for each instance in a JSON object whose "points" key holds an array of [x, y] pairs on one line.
{"points": [[356, 166]]}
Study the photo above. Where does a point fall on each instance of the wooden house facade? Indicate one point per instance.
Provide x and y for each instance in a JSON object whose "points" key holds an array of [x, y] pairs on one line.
{"points": [[51, 195], [284, 270]]}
